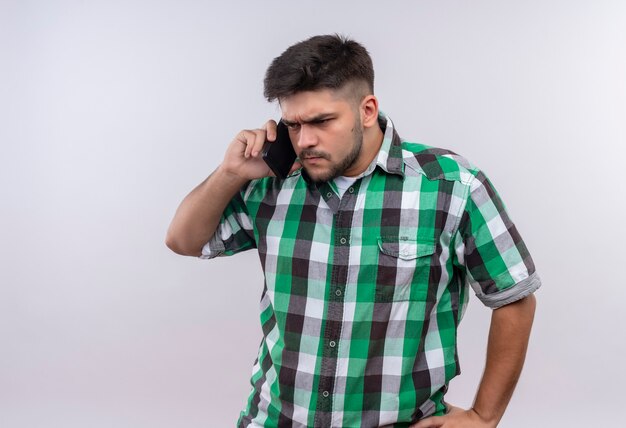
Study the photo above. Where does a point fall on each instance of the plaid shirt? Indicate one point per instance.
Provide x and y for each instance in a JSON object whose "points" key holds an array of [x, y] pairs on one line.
{"points": [[363, 294]]}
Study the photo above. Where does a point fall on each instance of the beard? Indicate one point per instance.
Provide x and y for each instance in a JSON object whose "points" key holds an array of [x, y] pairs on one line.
{"points": [[337, 169]]}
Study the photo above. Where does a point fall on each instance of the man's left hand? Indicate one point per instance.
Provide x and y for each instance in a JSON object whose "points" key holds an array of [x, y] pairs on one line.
{"points": [[456, 418]]}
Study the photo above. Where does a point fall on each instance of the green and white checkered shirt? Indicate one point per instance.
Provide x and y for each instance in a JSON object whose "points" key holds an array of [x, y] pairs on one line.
{"points": [[363, 294]]}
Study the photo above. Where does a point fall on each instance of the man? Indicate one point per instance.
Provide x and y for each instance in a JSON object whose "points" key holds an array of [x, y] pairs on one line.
{"points": [[368, 248]]}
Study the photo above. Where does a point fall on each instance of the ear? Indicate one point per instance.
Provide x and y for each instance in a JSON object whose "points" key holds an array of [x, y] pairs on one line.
{"points": [[369, 111]]}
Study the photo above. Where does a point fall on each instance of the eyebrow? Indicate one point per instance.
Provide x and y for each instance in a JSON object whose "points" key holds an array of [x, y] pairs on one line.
{"points": [[314, 119]]}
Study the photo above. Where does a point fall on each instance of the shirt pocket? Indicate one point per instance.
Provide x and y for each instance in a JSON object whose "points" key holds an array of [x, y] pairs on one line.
{"points": [[403, 269]]}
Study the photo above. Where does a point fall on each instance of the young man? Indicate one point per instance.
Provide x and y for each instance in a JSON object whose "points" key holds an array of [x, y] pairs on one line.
{"points": [[369, 248]]}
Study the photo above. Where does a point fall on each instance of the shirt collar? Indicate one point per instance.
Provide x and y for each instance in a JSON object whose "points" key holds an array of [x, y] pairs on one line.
{"points": [[389, 156]]}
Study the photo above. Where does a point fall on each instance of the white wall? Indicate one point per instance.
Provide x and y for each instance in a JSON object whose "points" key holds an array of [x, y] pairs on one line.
{"points": [[111, 111]]}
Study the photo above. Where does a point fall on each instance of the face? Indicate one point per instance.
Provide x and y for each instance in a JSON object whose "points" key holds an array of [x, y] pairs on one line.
{"points": [[326, 133]]}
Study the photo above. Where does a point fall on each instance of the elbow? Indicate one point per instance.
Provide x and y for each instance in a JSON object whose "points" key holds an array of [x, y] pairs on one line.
{"points": [[172, 243], [175, 244]]}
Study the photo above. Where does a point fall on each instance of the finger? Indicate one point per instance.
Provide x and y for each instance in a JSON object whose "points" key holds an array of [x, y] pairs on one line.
{"points": [[432, 422], [259, 141], [270, 128], [244, 137]]}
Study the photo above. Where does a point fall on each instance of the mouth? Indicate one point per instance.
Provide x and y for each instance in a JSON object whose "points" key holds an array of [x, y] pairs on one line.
{"points": [[313, 157]]}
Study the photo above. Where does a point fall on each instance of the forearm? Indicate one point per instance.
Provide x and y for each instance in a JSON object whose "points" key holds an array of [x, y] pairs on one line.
{"points": [[198, 215], [506, 351]]}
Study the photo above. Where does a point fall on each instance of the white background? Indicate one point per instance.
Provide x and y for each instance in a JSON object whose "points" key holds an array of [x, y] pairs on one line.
{"points": [[111, 111]]}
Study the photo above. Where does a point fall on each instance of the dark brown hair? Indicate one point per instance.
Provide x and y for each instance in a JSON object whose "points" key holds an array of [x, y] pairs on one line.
{"points": [[321, 62]]}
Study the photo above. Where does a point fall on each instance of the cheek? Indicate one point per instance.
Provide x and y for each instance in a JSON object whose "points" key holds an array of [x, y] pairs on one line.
{"points": [[343, 141]]}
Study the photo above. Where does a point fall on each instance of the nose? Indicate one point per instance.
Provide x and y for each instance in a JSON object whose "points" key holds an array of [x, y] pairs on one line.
{"points": [[306, 137]]}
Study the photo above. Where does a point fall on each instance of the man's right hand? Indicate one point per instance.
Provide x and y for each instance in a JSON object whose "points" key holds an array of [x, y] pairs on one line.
{"points": [[243, 158]]}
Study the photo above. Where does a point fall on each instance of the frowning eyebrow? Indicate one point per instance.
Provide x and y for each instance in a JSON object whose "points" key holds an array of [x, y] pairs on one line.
{"points": [[315, 119]]}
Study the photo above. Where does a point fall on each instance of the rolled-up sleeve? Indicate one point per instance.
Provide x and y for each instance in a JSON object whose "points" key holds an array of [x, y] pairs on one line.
{"points": [[497, 263], [234, 233]]}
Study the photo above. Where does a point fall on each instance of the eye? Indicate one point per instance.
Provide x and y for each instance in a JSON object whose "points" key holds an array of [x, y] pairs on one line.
{"points": [[293, 126], [321, 122]]}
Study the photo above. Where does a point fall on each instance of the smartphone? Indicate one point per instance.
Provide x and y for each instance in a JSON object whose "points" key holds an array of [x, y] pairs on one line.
{"points": [[279, 155]]}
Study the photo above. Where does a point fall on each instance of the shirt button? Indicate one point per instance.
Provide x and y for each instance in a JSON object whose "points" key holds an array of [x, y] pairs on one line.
{"points": [[338, 292], [343, 240], [351, 190], [325, 394], [329, 194], [332, 343]]}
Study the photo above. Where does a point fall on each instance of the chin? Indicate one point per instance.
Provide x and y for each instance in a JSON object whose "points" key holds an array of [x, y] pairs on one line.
{"points": [[320, 176]]}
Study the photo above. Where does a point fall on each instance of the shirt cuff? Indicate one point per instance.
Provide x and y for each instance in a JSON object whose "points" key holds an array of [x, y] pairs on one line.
{"points": [[512, 294], [213, 248]]}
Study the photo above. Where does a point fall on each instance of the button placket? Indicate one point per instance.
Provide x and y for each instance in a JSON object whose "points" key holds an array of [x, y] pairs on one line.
{"points": [[342, 209]]}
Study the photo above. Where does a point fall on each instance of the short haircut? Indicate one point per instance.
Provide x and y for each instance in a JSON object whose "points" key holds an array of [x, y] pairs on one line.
{"points": [[321, 62]]}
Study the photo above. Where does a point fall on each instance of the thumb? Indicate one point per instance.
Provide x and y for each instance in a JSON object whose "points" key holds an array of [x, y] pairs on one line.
{"points": [[296, 165], [432, 422]]}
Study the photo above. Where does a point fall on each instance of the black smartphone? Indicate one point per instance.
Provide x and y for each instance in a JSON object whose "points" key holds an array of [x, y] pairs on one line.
{"points": [[280, 155]]}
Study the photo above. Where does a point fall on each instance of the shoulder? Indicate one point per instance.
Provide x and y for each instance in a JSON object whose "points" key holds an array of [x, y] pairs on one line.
{"points": [[438, 163], [271, 187]]}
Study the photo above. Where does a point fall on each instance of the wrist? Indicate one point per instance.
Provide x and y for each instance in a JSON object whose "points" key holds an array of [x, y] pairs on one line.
{"points": [[484, 417], [229, 177]]}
